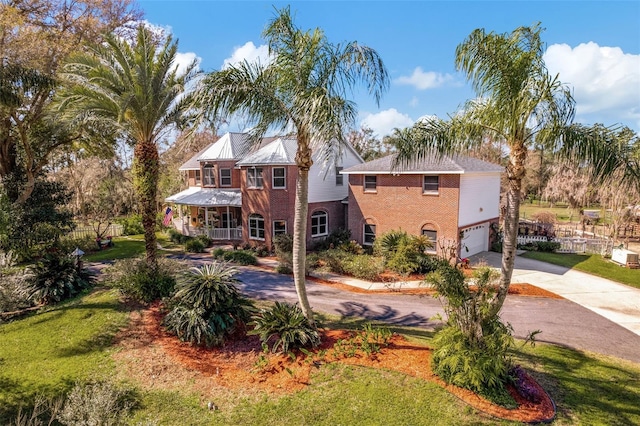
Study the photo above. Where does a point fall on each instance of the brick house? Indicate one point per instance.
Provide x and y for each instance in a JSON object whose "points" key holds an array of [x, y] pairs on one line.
{"points": [[239, 193], [451, 200]]}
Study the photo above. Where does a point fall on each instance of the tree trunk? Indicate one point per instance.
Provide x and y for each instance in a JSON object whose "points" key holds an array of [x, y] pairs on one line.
{"points": [[303, 159], [145, 172]]}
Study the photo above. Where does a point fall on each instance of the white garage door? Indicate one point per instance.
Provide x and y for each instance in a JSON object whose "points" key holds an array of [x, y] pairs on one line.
{"points": [[475, 239]]}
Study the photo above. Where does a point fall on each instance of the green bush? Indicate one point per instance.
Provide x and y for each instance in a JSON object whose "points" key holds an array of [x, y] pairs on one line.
{"points": [[283, 243], [12, 291], [135, 279], [55, 278], [68, 245], [403, 252], [176, 237], [284, 269], [261, 250], [334, 259], [205, 240], [131, 225], [430, 263], [100, 403], [548, 246], [207, 306], [194, 245], [286, 326], [364, 267], [218, 253], [243, 257], [334, 240]]}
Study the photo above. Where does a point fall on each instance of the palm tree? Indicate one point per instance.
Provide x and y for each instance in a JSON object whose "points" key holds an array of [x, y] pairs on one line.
{"points": [[521, 104], [303, 89], [136, 90]]}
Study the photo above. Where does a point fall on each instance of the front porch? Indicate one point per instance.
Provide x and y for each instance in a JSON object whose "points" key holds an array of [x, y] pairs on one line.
{"points": [[183, 226]]}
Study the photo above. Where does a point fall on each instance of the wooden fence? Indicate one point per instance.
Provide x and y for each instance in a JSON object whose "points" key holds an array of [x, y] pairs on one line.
{"points": [[115, 230]]}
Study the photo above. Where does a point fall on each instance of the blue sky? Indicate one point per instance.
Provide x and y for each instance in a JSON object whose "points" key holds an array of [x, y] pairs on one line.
{"points": [[593, 45]]}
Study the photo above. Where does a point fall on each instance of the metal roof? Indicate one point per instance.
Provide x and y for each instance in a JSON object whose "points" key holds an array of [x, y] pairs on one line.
{"points": [[193, 163], [231, 146], [207, 197], [433, 165], [280, 151]]}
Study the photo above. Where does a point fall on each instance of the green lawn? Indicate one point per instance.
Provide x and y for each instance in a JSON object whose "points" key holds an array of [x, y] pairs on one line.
{"points": [[563, 213], [47, 352], [592, 264], [131, 246]]}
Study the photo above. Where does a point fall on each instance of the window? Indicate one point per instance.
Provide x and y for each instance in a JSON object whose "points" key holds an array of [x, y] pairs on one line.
{"points": [[339, 177], [433, 238], [198, 179], [225, 177], [370, 183], [256, 227], [209, 175], [319, 224], [226, 220], [430, 184], [254, 177], [279, 227], [369, 234], [279, 178]]}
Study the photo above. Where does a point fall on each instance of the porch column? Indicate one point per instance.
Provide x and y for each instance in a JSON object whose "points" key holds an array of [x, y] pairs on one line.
{"points": [[228, 225]]}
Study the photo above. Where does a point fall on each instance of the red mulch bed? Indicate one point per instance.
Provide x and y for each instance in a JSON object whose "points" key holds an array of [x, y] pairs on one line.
{"points": [[157, 359]]}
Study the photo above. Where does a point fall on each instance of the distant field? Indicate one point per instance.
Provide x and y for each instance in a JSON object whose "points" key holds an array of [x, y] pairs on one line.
{"points": [[562, 212]]}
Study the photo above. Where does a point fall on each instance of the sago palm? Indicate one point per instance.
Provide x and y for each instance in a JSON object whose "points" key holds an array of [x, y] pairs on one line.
{"points": [[134, 88], [303, 89], [519, 103]]}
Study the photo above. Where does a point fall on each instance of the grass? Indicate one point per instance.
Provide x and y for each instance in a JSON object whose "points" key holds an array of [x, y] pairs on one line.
{"points": [[563, 213], [593, 264], [131, 246], [46, 353]]}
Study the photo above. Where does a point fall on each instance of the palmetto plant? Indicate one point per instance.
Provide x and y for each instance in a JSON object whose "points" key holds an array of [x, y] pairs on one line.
{"points": [[55, 278], [287, 325], [208, 307]]}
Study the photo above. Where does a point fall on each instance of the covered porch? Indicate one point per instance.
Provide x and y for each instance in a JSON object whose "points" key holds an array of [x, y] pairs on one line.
{"points": [[208, 211]]}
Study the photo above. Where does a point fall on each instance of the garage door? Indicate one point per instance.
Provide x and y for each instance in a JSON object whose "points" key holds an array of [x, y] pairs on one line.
{"points": [[475, 239]]}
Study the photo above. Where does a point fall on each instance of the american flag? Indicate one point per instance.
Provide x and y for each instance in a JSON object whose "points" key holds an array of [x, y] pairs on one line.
{"points": [[168, 215]]}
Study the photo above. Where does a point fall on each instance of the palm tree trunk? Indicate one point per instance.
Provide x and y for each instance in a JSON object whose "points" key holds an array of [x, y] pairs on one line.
{"points": [[145, 172], [300, 241]]}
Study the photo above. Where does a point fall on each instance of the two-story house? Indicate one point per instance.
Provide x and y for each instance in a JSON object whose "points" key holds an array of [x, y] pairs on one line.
{"points": [[240, 193], [451, 200]]}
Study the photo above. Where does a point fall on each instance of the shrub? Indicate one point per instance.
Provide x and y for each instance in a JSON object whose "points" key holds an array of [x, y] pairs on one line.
{"points": [[334, 259], [205, 240], [68, 245], [261, 250], [13, 296], [351, 247], [176, 237], [284, 269], [100, 404], [364, 266], [131, 225], [403, 252], [334, 240], [548, 246], [429, 263], [218, 253], [208, 307], [287, 326], [55, 278], [194, 245], [135, 279], [283, 243], [243, 257]]}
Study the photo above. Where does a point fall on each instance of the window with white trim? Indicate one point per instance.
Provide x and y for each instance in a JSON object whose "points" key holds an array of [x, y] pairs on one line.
{"points": [[254, 177], [256, 227], [430, 184], [279, 227], [319, 224], [209, 175], [370, 183], [368, 234], [432, 236], [279, 178], [225, 177], [339, 177]]}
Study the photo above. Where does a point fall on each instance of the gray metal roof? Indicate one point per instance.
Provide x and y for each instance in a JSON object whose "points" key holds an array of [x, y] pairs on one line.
{"points": [[193, 163], [207, 197], [231, 146], [280, 151], [434, 165]]}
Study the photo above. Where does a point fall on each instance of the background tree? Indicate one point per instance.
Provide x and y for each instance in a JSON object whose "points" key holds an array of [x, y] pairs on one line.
{"points": [[521, 104], [35, 38], [367, 145], [134, 89], [302, 90], [568, 184]]}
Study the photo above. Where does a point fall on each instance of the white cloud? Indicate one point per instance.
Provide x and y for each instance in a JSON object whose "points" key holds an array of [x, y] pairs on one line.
{"points": [[248, 52], [183, 60], [422, 80], [383, 122], [605, 81]]}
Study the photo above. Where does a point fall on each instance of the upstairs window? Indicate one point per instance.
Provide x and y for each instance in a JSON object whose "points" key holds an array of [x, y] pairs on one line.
{"points": [[319, 224], [430, 185], [339, 177], [279, 178], [209, 175], [369, 234], [370, 183], [254, 177], [225, 177]]}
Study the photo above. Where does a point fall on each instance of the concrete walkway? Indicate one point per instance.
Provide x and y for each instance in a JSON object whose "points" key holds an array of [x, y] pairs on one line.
{"points": [[616, 302]]}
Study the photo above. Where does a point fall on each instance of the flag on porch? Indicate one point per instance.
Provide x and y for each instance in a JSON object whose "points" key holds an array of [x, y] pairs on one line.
{"points": [[168, 215]]}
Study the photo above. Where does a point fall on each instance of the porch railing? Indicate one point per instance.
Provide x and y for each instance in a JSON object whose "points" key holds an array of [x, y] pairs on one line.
{"points": [[215, 233]]}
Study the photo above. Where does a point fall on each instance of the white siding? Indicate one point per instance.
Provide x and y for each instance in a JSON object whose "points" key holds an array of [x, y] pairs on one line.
{"points": [[479, 198], [322, 179]]}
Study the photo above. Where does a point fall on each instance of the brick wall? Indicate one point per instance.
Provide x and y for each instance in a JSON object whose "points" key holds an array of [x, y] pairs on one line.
{"points": [[399, 203]]}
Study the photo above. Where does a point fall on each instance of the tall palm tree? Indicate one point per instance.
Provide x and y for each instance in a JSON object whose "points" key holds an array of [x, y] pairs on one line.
{"points": [[302, 89], [135, 89], [521, 104]]}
